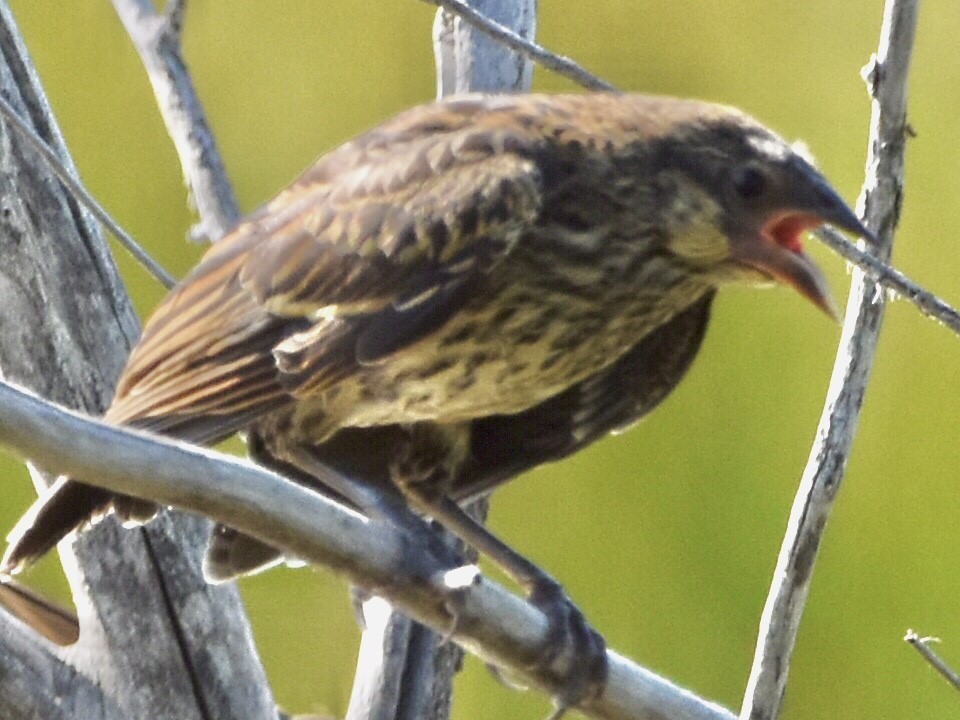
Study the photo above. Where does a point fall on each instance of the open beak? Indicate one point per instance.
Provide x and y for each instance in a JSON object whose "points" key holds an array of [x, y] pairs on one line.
{"points": [[777, 251]]}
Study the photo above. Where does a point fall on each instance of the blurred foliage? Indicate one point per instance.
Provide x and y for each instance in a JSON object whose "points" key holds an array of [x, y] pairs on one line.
{"points": [[667, 536]]}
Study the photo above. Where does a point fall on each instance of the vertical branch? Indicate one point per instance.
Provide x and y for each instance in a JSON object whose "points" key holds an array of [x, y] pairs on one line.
{"points": [[469, 60], [228, 661], [404, 671], [158, 640], [879, 205]]}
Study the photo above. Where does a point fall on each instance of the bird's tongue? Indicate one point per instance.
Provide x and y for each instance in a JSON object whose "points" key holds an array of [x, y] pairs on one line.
{"points": [[778, 252], [786, 230]]}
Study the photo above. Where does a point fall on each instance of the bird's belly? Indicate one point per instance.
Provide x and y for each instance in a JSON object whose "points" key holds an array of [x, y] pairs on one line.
{"points": [[493, 364], [488, 381]]}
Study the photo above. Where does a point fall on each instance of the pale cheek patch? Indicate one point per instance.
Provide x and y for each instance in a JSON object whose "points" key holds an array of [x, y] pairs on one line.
{"points": [[695, 234]]}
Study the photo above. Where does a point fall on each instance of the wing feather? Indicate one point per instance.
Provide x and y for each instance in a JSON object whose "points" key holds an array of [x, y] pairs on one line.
{"points": [[369, 250]]}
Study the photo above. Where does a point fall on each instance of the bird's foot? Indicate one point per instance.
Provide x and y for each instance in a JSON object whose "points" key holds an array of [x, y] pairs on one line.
{"points": [[574, 652]]}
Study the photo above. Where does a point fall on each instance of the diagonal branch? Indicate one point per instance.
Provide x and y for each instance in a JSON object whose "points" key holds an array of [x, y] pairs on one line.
{"points": [[880, 206], [891, 279], [491, 622], [922, 646], [76, 188], [876, 268], [157, 40], [558, 63]]}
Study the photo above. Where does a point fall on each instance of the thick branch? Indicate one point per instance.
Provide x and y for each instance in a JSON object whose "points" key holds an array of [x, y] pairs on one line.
{"points": [[880, 206], [492, 623], [157, 40], [66, 327], [76, 188], [38, 685]]}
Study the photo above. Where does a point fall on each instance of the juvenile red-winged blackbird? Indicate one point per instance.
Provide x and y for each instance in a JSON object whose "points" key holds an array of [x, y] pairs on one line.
{"points": [[470, 289]]}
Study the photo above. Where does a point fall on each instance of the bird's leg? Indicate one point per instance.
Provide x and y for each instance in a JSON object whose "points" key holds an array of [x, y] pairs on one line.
{"points": [[574, 652], [372, 501], [282, 448]]}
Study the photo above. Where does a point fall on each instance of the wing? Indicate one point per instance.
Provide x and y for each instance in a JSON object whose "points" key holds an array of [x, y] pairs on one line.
{"points": [[389, 252], [371, 249], [504, 446]]}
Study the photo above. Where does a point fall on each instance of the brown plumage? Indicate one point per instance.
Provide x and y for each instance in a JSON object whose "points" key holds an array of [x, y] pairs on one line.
{"points": [[470, 289]]}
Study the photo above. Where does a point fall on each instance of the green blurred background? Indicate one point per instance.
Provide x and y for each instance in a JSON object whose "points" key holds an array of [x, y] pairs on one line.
{"points": [[667, 537]]}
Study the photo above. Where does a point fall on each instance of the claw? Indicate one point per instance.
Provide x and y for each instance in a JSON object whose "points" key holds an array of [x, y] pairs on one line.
{"points": [[505, 679], [574, 652]]}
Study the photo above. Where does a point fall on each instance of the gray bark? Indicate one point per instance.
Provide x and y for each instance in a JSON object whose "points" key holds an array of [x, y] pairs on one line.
{"points": [[156, 640], [493, 623]]}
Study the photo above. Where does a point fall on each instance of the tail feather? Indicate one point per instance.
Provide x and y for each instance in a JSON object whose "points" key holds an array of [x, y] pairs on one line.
{"points": [[64, 507], [55, 623], [231, 554]]}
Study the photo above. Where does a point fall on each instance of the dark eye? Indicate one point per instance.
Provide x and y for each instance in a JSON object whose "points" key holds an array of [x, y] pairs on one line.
{"points": [[749, 182]]}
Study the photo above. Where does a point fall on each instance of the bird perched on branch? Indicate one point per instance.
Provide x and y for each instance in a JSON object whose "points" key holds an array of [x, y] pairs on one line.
{"points": [[472, 288]]}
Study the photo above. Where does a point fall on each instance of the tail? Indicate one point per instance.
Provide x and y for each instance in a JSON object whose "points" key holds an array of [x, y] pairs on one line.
{"points": [[64, 507], [52, 621], [231, 554]]}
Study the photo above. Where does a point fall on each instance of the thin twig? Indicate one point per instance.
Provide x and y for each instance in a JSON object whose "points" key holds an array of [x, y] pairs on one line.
{"points": [[891, 279], [880, 205], [156, 38], [557, 63], [886, 275], [491, 622], [922, 646], [80, 193]]}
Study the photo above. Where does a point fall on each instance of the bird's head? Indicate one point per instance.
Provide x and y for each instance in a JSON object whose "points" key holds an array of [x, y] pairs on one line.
{"points": [[739, 200]]}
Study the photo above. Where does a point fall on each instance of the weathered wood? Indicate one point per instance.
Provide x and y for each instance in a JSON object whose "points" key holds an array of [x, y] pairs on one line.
{"points": [[157, 640], [880, 202], [493, 623]]}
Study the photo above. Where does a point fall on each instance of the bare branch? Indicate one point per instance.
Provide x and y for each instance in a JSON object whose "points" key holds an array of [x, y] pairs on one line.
{"points": [[892, 279], [880, 205], [491, 622], [557, 63], [157, 41], [76, 188], [922, 646]]}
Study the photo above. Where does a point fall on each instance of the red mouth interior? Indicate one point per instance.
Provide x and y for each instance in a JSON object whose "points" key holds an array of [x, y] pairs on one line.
{"points": [[785, 230]]}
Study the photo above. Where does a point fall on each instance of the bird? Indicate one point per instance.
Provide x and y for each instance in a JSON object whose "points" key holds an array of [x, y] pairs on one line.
{"points": [[473, 288]]}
